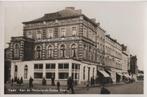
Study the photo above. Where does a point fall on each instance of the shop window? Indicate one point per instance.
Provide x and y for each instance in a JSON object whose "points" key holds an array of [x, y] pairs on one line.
{"points": [[63, 66], [49, 75], [38, 66], [50, 66], [38, 75], [75, 75], [75, 66], [63, 75]]}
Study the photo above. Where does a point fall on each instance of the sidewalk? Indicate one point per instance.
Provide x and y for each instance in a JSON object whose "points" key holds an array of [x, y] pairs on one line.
{"points": [[49, 89]]}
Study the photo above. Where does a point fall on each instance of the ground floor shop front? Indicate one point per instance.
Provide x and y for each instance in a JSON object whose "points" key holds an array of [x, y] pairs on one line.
{"points": [[57, 70]]}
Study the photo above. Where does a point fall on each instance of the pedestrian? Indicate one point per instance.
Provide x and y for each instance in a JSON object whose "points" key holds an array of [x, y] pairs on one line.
{"points": [[31, 82], [43, 81], [17, 81], [87, 85], [12, 81], [70, 84], [21, 80], [104, 90], [58, 86], [92, 81]]}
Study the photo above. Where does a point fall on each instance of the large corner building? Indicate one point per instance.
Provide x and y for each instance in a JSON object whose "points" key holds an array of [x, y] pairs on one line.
{"points": [[62, 44]]}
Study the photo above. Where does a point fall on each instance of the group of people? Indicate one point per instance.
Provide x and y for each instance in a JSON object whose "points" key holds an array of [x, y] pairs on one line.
{"points": [[19, 81], [70, 84]]}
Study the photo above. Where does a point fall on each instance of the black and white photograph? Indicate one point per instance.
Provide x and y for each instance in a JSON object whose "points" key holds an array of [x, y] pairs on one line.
{"points": [[73, 47]]}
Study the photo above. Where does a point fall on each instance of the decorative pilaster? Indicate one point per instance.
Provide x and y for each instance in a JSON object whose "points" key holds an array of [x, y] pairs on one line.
{"points": [[81, 30], [80, 53], [21, 50], [43, 51], [56, 51], [56, 32], [11, 50]]}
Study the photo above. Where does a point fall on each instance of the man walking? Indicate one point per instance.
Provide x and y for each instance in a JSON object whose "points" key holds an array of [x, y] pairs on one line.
{"points": [[70, 84]]}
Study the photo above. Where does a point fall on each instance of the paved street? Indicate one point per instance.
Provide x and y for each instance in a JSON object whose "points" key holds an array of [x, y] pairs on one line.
{"points": [[132, 88]]}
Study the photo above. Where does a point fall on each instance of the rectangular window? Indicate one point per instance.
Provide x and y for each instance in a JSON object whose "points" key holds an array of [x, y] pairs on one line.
{"points": [[63, 32], [63, 75], [75, 66], [50, 66], [50, 33], [29, 34], [75, 75], [38, 66], [49, 75], [38, 75], [63, 66], [74, 31], [38, 35]]}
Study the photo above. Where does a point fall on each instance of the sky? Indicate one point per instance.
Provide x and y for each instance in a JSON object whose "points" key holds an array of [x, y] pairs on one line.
{"points": [[124, 21]]}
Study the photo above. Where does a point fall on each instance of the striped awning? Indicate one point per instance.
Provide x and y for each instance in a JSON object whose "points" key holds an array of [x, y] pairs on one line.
{"points": [[105, 74], [127, 75], [119, 73]]}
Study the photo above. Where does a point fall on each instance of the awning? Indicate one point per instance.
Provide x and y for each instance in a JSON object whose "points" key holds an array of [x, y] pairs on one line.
{"points": [[119, 73], [127, 75], [105, 74]]}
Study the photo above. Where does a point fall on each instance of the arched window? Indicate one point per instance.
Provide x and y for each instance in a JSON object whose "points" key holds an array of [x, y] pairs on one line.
{"points": [[73, 50], [62, 50], [16, 51], [25, 72], [50, 51], [38, 52]]}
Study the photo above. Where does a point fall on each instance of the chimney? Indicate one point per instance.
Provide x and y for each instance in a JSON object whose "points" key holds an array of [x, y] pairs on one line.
{"points": [[93, 19], [98, 24], [79, 11], [70, 8]]}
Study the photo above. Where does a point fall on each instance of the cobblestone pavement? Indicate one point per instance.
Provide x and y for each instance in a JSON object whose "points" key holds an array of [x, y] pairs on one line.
{"points": [[131, 88]]}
